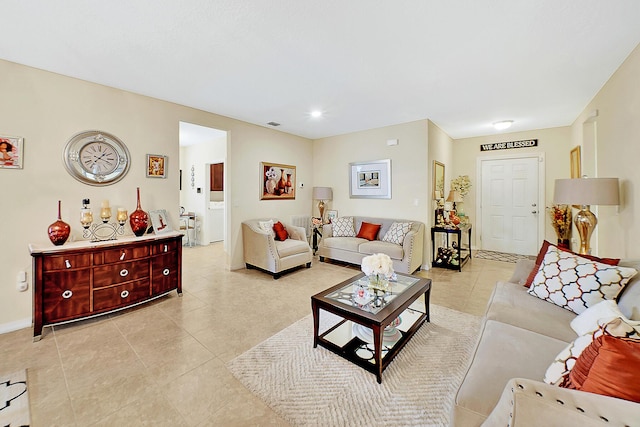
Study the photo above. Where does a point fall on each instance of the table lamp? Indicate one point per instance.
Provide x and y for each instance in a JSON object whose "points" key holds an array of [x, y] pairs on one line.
{"points": [[586, 192], [454, 197], [322, 194]]}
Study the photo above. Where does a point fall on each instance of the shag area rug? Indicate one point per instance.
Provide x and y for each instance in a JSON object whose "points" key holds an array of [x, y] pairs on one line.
{"points": [[312, 387], [500, 256], [14, 400]]}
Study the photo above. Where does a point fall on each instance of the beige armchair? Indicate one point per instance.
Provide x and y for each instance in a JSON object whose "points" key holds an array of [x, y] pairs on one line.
{"points": [[261, 250]]}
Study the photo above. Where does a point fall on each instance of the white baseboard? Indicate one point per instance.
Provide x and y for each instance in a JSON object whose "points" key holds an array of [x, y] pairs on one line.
{"points": [[14, 326]]}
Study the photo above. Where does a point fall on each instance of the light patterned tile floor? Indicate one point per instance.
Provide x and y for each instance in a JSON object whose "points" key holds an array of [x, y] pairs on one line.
{"points": [[163, 364]]}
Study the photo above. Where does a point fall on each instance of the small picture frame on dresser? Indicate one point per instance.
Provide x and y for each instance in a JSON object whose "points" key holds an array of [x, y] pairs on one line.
{"points": [[160, 221]]}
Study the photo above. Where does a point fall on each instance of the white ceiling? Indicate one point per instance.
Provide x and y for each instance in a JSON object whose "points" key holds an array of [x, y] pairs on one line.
{"points": [[365, 63]]}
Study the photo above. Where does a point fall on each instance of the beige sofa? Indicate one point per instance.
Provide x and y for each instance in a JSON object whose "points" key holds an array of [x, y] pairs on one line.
{"points": [[261, 250], [407, 258], [520, 338]]}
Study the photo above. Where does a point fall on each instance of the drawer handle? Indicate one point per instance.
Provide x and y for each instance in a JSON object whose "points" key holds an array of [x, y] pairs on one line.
{"points": [[166, 271], [67, 263], [124, 294], [166, 248], [123, 255], [124, 272], [67, 294]]}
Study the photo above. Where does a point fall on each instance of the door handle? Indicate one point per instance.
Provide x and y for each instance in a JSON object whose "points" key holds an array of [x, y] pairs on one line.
{"points": [[534, 212], [534, 205]]}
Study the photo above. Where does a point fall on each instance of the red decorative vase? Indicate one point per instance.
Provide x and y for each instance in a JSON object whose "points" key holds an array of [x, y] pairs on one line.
{"points": [[59, 231], [139, 219], [564, 243]]}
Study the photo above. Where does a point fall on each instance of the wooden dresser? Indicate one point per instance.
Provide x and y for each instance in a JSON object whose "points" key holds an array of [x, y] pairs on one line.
{"points": [[84, 279]]}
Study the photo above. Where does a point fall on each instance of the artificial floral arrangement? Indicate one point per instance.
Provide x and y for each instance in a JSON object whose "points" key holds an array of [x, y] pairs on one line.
{"points": [[461, 184], [316, 221], [378, 267], [561, 220]]}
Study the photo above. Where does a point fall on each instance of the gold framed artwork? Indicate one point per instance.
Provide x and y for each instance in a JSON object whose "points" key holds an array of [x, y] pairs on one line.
{"points": [[277, 182], [156, 166], [438, 180], [576, 163]]}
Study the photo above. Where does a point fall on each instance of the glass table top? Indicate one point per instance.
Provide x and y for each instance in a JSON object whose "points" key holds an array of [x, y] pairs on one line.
{"points": [[360, 294]]}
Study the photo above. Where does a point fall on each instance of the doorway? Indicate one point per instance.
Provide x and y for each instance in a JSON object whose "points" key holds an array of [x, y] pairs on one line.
{"points": [[511, 211]]}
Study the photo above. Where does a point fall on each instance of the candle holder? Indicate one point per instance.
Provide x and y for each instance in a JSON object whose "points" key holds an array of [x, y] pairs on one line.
{"points": [[105, 231]]}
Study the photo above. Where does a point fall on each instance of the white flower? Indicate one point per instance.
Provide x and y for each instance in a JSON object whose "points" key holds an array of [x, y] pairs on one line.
{"points": [[378, 264], [461, 184], [271, 173]]}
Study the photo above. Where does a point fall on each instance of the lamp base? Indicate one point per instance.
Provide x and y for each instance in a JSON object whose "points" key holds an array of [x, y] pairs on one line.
{"points": [[585, 222], [321, 209]]}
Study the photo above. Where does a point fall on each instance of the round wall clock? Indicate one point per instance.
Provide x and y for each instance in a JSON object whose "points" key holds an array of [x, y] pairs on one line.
{"points": [[96, 158]]}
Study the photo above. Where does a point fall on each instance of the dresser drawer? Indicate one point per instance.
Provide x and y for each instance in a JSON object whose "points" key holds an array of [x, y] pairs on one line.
{"points": [[112, 274], [164, 247], [65, 295], [66, 262], [121, 254], [121, 295], [164, 272]]}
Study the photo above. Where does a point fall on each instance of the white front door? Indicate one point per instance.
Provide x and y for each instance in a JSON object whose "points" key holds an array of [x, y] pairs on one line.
{"points": [[510, 205]]}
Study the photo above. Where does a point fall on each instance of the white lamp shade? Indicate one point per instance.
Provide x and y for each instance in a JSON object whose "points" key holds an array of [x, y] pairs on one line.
{"points": [[322, 193], [586, 191]]}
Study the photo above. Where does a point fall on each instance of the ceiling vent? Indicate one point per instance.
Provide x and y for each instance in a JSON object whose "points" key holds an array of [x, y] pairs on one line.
{"points": [[274, 124]]}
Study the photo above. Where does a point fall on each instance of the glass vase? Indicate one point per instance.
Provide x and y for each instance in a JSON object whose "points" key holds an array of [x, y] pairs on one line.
{"points": [[139, 219]]}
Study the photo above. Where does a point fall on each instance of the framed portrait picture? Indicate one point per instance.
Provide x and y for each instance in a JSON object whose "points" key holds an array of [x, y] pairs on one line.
{"points": [[160, 221], [576, 163], [11, 148], [370, 180], [438, 180], [277, 181], [331, 215], [156, 166]]}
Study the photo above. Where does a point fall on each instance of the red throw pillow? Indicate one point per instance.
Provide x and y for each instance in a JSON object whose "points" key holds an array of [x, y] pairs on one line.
{"points": [[369, 231], [543, 251], [281, 232], [609, 366]]}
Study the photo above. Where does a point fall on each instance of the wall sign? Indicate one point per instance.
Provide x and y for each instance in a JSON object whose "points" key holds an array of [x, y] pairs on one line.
{"points": [[508, 145]]}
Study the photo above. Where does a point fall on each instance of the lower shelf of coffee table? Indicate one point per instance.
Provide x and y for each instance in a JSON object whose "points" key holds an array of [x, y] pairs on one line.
{"points": [[342, 340]]}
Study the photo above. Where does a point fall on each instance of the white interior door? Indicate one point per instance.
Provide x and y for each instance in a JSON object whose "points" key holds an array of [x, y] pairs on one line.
{"points": [[510, 205]]}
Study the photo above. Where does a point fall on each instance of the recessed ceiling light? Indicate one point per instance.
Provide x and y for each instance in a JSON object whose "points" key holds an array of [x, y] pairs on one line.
{"points": [[316, 113], [505, 124]]}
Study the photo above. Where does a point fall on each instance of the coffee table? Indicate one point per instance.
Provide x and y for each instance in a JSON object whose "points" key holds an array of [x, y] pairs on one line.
{"points": [[360, 336]]}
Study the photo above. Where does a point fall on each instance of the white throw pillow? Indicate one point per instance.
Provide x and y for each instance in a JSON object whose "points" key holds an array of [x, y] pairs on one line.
{"points": [[397, 231], [566, 359], [268, 227], [343, 227], [576, 283], [594, 317]]}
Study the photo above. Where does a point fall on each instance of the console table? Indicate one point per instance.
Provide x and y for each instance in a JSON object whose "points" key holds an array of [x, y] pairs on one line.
{"points": [[463, 253], [84, 279]]}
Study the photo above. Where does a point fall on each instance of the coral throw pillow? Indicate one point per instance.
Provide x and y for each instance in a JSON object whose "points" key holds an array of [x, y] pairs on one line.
{"points": [[576, 283], [343, 227], [543, 251], [281, 232], [369, 231], [609, 366]]}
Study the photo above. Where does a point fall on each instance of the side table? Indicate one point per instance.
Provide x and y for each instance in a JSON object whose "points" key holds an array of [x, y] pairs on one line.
{"points": [[316, 233], [463, 254]]}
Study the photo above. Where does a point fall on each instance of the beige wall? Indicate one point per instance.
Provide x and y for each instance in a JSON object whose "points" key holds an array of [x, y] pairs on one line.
{"points": [[47, 109], [555, 143], [409, 167], [618, 150]]}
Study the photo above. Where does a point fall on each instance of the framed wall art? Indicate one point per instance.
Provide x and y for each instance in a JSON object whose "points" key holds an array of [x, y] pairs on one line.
{"points": [[11, 148], [331, 215], [277, 181], [370, 180], [576, 163], [438, 180], [156, 166], [160, 221]]}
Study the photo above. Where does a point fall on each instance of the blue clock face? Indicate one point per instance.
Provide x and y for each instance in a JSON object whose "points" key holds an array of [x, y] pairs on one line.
{"points": [[96, 158]]}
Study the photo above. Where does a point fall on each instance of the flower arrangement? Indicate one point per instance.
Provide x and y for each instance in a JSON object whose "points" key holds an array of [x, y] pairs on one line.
{"points": [[377, 265], [316, 221], [461, 184], [561, 220]]}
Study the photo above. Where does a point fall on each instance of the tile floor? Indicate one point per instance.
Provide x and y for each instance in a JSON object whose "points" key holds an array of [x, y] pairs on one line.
{"points": [[163, 364]]}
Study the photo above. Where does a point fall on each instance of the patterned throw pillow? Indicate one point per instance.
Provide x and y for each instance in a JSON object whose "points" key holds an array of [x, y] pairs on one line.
{"points": [[343, 227], [397, 231], [576, 283], [267, 226], [566, 359]]}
